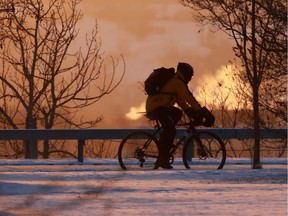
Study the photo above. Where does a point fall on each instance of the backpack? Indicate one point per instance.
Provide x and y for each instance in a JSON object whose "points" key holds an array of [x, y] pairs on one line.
{"points": [[157, 79]]}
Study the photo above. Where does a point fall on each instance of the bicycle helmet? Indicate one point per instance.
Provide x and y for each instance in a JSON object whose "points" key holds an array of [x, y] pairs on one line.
{"points": [[186, 70]]}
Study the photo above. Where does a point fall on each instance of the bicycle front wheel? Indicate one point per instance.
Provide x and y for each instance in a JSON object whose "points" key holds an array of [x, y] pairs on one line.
{"points": [[138, 150], [204, 152]]}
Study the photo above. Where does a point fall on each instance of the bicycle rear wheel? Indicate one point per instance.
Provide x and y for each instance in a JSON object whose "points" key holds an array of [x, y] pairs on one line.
{"points": [[211, 156], [138, 150]]}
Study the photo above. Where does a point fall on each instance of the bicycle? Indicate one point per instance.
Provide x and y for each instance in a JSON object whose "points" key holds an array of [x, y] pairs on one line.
{"points": [[200, 149]]}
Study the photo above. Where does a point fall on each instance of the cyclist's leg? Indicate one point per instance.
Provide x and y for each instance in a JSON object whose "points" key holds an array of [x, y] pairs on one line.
{"points": [[168, 117]]}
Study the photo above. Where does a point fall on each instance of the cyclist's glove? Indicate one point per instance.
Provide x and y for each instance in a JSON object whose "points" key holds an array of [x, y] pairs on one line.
{"points": [[189, 112], [209, 118], [201, 117], [197, 116]]}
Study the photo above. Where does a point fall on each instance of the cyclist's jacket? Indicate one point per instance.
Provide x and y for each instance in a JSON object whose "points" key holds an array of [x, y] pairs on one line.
{"points": [[174, 91]]}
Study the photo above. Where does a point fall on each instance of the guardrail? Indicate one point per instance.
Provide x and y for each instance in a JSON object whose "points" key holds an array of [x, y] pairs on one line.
{"points": [[88, 134]]}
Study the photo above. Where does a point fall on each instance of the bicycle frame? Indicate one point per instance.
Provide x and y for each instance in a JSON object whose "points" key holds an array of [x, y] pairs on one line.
{"points": [[191, 130]]}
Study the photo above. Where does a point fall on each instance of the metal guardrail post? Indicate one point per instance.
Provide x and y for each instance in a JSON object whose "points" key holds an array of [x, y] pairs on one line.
{"points": [[31, 145], [81, 144]]}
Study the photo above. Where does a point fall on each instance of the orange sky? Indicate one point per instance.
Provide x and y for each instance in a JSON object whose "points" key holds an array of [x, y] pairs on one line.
{"points": [[150, 34]]}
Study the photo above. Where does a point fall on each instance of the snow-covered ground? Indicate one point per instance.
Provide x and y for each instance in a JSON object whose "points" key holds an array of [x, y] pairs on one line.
{"points": [[99, 187]]}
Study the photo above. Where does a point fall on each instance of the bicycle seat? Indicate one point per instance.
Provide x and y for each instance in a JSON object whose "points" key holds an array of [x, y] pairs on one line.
{"points": [[150, 116]]}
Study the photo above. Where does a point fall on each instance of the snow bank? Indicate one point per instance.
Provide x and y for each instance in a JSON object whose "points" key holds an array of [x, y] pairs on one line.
{"points": [[100, 187]]}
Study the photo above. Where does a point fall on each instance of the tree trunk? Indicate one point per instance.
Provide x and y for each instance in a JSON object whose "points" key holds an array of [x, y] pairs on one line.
{"points": [[256, 155], [255, 86]]}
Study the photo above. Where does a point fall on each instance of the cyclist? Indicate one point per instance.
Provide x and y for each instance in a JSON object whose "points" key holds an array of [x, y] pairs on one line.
{"points": [[161, 106]]}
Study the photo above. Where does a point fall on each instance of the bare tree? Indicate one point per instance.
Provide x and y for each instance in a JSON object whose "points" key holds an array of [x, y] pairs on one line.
{"points": [[258, 28], [231, 111], [44, 79]]}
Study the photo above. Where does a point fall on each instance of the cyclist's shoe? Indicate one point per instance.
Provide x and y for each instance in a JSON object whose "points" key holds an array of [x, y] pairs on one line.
{"points": [[166, 166], [162, 164]]}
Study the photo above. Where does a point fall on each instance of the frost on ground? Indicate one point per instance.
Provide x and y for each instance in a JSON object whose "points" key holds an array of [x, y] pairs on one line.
{"points": [[100, 187]]}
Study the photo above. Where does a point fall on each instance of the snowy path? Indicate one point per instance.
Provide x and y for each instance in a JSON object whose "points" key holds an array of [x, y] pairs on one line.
{"points": [[99, 187]]}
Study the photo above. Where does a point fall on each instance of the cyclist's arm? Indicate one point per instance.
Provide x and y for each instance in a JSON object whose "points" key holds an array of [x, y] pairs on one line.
{"points": [[185, 98]]}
